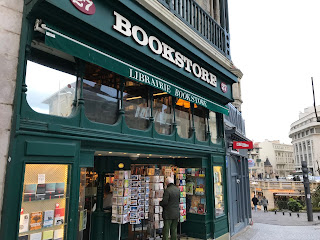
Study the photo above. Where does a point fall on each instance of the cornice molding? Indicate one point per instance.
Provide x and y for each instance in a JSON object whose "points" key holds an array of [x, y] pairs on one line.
{"points": [[184, 30]]}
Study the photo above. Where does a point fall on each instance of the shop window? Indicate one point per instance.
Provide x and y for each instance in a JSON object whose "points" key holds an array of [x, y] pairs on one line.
{"points": [[101, 93], [183, 118], [213, 126], [136, 105], [218, 190], [163, 112], [50, 91], [196, 190], [200, 118], [45, 199]]}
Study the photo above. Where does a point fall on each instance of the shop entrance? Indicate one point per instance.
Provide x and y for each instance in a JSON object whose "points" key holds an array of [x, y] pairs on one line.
{"points": [[120, 195]]}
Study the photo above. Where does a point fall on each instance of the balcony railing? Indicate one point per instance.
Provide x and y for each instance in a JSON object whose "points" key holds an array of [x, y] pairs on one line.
{"points": [[200, 21]]}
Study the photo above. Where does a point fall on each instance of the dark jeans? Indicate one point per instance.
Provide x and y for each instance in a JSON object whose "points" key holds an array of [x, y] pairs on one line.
{"points": [[172, 226], [265, 208]]}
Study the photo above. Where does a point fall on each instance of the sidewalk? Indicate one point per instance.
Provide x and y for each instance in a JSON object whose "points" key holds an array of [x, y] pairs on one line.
{"points": [[271, 226], [284, 220]]}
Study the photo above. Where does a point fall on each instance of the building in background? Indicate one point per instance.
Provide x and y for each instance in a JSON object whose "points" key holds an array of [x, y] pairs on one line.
{"points": [[280, 157], [305, 135], [150, 80], [257, 170]]}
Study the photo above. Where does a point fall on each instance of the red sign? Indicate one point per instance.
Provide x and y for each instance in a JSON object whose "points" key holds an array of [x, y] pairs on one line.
{"points": [[242, 145], [85, 6], [224, 87]]}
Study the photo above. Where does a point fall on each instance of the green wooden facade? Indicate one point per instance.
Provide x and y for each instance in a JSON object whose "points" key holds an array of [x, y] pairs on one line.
{"points": [[40, 138]]}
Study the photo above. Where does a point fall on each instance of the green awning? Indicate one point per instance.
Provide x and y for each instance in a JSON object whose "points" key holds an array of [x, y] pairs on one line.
{"points": [[85, 52]]}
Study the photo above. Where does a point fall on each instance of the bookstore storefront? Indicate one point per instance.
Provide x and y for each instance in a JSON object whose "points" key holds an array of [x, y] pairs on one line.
{"points": [[109, 102]]}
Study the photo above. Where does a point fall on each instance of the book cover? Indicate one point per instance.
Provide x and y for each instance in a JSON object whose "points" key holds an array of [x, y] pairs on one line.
{"points": [[35, 221], [48, 218], [24, 237], [59, 216], [29, 192], [201, 208], [59, 193], [47, 235], [36, 236], [58, 234], [50, 190], [40, 194], [24, 223]]}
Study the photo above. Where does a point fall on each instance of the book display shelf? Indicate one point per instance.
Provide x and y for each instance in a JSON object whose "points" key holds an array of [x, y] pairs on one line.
{"points": [[195, 190], [218, 191], [45, 199]]}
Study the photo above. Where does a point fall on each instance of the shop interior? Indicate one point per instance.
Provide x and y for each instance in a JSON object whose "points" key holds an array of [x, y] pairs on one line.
{"points": [[123, 190]]}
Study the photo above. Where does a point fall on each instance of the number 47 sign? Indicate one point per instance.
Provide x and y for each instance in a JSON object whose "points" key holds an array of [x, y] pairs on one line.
{"points": [[85, 6]]}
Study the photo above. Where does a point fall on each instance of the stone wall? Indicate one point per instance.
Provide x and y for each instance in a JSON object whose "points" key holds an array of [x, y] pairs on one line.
{"points": [[10, 30]]}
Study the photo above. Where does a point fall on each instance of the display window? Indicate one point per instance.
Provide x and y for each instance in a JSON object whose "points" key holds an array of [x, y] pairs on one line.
{"points": [[196, 190], [218, 190], [45, 199]]}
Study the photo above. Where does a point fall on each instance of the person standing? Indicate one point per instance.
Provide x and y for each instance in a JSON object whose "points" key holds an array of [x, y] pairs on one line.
{"points": [[264, 203], [255, 202], [171, 211]]}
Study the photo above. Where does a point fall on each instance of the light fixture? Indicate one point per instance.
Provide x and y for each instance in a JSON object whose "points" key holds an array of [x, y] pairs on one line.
{"points": [[110, 152], [121, 165], [99, 154], [128, 99], [124, 153], [157, 94]]}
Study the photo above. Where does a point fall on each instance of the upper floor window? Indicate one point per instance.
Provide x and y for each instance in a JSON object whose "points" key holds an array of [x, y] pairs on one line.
{"points": [[101, 93], [183, 118], [50, 91], [136, 105]]}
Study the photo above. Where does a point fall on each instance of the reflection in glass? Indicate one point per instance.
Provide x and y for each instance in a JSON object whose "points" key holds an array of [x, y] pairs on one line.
{"points": [[183, 118], [200, 122], [101, 93], [218, 191], [50, 91], [213, 126], [136, 105], [162, 112]]}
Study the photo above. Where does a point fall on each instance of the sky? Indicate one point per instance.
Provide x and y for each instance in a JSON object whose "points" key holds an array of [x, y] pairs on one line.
{"points": [[276, 44]]}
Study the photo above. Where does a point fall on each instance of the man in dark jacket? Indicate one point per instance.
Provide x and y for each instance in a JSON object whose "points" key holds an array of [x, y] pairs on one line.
{"points": [[171, 211], [255, 202]]}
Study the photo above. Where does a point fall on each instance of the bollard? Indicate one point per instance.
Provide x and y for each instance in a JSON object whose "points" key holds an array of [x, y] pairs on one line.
{"points": [[275, 212], [318, 217], [290, 214], [298, 214], [283, 213]]}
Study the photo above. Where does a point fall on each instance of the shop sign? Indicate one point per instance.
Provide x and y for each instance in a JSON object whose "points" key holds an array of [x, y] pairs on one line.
{"points": [[250, 163], [124, 26], [84, 6], [242, 145]]}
